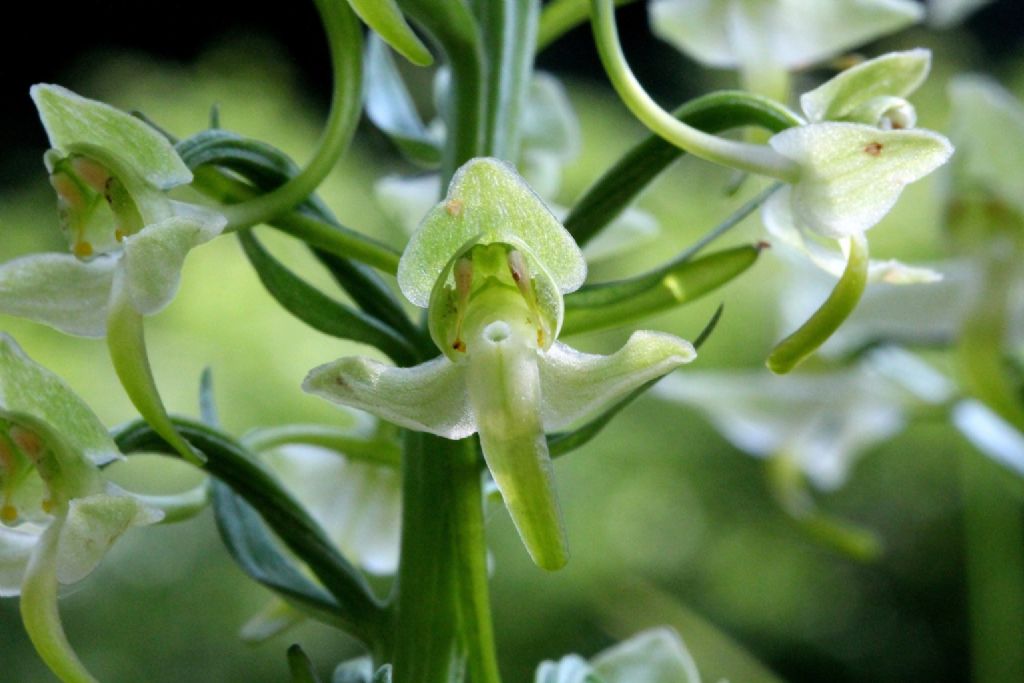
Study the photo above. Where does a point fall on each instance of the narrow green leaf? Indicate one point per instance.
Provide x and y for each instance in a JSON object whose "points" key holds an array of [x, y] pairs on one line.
{"points": [[236, 468], [259, 556], [566, 442], [624, 181], [384, 17], [300, 666], [320, 311], [615, 303], [390, 107]]}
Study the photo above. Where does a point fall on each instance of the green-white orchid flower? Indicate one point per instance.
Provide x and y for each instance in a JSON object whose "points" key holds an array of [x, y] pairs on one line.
{"points": [[58, 515], [767, 39], [128, 240], [491, 264], [657, 655], [549, 135]]}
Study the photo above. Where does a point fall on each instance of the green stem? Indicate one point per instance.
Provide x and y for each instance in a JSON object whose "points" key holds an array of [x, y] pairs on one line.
{"points": [[509, 31], [561, 16], [739, 155], [473, 594], [452, 25], [792, 350], [994, 539], [40, 614], [177, 507], [314, 231], [344, 37], [126, 341], [424, 633]]}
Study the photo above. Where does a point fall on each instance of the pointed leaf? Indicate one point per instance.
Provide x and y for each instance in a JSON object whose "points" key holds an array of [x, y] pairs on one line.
{"points": [[896, 74], [384, 17], [77, 124], [852, 174], [488, 202], [300, 666], [60, 291], [390, 107], [429, 397], [318, 310], [578, 385]]}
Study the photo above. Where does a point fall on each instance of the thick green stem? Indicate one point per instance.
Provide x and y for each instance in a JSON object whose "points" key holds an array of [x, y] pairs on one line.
{"points": [[452, 26], [344, 36], [994, 540], [472, 593], [509, 31], [424, 646], [993, 515], [742, 156]]}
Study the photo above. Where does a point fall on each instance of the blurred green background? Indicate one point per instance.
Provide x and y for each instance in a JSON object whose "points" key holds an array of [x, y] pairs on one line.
{"points": [[668, 523]]}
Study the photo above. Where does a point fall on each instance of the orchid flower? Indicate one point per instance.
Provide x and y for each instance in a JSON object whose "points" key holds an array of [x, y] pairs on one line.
{"points": [[491, 264], [549, 139], [846, 167], [58, 515], [127, 239], [946, 13], [657, 655], [767, 39]]}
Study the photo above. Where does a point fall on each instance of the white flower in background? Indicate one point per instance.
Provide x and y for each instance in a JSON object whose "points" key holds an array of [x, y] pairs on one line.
{"points": [[58, 515], [657, 655], [127, 239], [767, 39], [549, 139]]}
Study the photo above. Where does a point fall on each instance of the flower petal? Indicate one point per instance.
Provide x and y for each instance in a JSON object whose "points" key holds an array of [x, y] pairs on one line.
{"points": [[778, 220], [569, 669], [15, 550], [852, 174], [77, 124], [654, 656], [153, 258], [60, 291], [794, 33], [405, 200], [632, 229], [93, 524], [549, 124], [896, 74], [489, 202], [29, 389], [577, 385], [429, 397]]}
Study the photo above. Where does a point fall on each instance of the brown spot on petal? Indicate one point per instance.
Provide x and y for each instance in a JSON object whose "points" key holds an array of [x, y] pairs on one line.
{"points": [[82, 249], [28, 442], [459, 345], [454, 207], [873, 148], [8, 514]]}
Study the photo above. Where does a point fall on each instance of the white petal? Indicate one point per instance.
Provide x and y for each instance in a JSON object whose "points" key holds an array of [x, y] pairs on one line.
{"points": [[60, 291], [93, 524], [945, 13], [578, 385], [15, 550], [990, 434], [153, 258], [697, 27], [655, 656], [429, 397], [357, 503], [852, 174]]}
